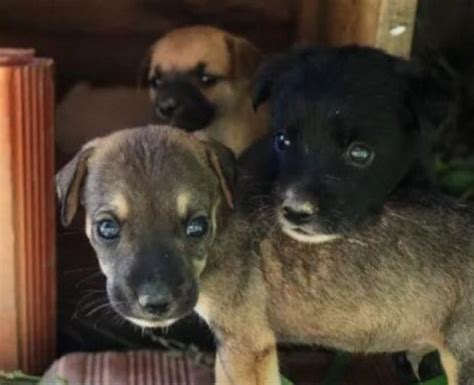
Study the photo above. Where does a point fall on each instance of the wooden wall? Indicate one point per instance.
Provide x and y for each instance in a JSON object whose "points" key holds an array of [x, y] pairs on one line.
{"points": [[106, 42], [386, 24]]}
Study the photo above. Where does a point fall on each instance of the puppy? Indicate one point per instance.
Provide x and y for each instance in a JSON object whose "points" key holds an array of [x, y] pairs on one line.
{"points": [[200, 79], [161, 218], [349, 125]]}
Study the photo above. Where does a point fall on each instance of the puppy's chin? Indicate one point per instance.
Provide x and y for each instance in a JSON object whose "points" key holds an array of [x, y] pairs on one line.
{"points": [[150, 324], [306, 233]]}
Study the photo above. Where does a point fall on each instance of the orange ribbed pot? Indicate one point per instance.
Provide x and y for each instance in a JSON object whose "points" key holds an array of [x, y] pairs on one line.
{"points": [[27, 212]]}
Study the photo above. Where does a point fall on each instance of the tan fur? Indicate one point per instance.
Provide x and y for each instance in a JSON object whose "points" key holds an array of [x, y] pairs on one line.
{"points": [[402, 284], [121, 206], [88, 227], [236, 366], [182, 48], [237, 125], [182, 202], [450, 365]]}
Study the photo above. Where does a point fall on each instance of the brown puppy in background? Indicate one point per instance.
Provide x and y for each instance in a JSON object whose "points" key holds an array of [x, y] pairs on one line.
{"points": [[161, 218], [200, 78]]}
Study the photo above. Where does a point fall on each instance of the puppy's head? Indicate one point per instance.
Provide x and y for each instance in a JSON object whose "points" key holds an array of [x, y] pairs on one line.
{"points": [[153, 198], [349, 124], [197, 74]]}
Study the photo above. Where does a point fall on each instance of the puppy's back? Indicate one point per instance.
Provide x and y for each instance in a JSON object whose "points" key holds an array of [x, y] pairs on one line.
{"points": [[406, 273]]}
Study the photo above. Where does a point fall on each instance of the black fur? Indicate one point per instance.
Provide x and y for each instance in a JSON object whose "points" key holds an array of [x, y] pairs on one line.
{"points": [[325, 99], [192, 111]]}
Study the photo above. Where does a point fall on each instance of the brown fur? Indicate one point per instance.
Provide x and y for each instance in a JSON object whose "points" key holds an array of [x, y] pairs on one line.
{"points": [[403, 284], [235, 59]]}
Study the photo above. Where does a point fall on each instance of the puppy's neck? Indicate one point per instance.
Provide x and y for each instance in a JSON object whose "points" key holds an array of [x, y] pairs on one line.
{"points": [[230, 263], [231, 242], [239, 127]]}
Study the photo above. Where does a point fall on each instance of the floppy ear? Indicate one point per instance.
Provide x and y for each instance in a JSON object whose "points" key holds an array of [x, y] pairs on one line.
{"points": [[223, 164], [263, 85], [244, 56], [69, 181], [431, 94], [267, 76]]}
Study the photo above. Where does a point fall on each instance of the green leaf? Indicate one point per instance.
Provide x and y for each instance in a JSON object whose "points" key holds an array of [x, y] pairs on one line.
{"points": [[285, 381], [457, 181], [441, 380]]}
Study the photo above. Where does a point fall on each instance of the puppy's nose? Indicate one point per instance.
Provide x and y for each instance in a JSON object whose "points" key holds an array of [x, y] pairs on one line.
{"points": [[298, 213], [155, 299], [167, 106]]}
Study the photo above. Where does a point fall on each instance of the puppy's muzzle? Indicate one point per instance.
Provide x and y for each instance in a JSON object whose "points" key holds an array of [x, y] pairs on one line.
{"points": [[166, 107], [298, 213], [299, 218], [155, 299], [181, 104]]}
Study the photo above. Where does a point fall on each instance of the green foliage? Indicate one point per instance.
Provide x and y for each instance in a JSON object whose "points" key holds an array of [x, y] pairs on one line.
{"points": [[456, 177], [441, 380], [285, 381], [19, 378]]}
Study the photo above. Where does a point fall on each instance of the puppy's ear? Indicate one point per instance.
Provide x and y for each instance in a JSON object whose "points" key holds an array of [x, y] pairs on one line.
{"points": [[222, 162], [266, 78], [69, 181], [244, 57], [431, 94]]}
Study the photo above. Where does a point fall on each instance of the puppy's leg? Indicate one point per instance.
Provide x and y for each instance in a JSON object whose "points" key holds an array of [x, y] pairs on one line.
{"points": [[241, 363], [451, 367], [458, 355]]}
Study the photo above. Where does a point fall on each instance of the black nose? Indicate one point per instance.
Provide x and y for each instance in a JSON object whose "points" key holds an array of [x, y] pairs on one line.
{"points": [[297, 214], [167, 107], [155, 299]]}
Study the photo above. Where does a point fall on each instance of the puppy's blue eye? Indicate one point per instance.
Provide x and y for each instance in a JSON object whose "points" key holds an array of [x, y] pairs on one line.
{"points": [[282, 141], [108, 229], [197, 227], [360, 154]]}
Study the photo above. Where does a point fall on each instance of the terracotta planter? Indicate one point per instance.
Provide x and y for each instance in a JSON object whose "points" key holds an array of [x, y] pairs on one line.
{"points": [[27, 219]]}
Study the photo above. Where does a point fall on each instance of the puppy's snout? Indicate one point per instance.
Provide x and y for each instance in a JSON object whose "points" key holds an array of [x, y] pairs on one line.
{"points": [[298, 213], [167, 106], [155, 299]]}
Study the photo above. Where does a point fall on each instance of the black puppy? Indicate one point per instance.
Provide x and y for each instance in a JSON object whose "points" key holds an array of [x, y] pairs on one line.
{"points": [[349, 125]]}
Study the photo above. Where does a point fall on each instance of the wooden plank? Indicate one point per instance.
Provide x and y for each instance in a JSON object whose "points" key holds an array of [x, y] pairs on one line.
{"points": [[27, 222], [338, 22], [395, 27], [129, 17], [307, 26], [386, 24]]}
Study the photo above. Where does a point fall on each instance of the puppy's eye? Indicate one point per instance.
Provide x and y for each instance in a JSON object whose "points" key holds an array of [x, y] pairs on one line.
{"points": [[156, 81], [108, 229], [282, 141], [197, 227], [360, 154], [208, 79]]}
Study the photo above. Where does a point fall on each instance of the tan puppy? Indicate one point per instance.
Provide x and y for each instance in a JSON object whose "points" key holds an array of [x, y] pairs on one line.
{"points": [[201, 78], [161, 218]]}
